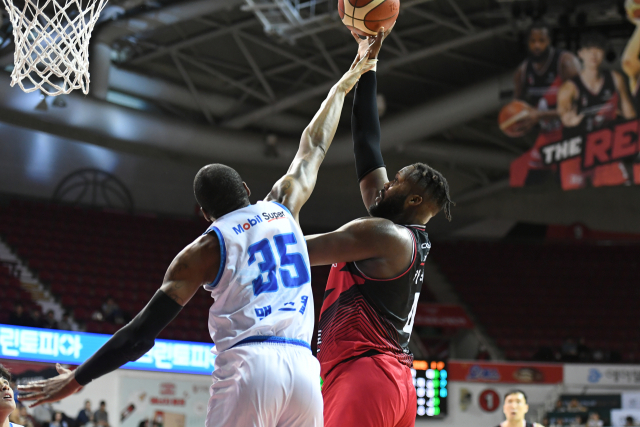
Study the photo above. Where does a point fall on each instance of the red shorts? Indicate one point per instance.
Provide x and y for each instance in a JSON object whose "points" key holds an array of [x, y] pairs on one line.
{"points": [[375, 391]]}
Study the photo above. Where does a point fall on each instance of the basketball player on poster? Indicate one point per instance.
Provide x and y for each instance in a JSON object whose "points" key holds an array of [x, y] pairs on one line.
{"points": [[254, 261], [537, 81], [375, 282], [631, 66], [588, 102]]}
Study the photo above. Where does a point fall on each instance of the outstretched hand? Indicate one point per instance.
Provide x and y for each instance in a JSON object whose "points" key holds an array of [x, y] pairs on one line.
{"points": [[372, 44], [51, 390]]}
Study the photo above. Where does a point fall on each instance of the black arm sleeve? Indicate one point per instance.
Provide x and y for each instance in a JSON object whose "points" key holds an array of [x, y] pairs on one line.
{"points": [[365, 126], [132, 341]]}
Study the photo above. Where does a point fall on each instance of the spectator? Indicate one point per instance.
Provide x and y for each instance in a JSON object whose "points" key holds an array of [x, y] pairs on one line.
{"points": [[629, 421], [58, 421], [584, 352], [576, 422], [594, 420], [65, 323], [569, 350], [560, 406], [85, 415], [43, 414], [36, 318], [20, 317], [483, 353], [575, 406], [7, 406], [101, 417], [49, 321], [111, 311]]}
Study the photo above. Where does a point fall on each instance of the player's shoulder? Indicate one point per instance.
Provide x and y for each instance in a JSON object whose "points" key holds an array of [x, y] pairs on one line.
{"points": [[380, 228]]}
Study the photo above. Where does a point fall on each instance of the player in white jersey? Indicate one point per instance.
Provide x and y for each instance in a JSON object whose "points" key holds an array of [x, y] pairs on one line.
{"points": [[254, 261]]}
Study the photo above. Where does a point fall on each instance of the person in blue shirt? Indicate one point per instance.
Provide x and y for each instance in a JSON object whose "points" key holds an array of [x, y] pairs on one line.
{"points": [[7, 403]]}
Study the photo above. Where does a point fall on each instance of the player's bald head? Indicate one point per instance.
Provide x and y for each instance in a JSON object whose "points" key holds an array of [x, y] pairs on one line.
{"points": [[219, 189]]}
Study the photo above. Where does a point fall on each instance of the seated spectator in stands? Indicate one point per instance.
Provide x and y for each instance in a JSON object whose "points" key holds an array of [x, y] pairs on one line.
{"points": [[569, 350], [49, 320], [20, 317], [576, 422], [37, 319], [58, 421], [101, 416], [85, 415], [629, 421], [584, 352], [575, 406], [594, 420], [43, 414], [560, 406], [65, 322], [111, 311]]}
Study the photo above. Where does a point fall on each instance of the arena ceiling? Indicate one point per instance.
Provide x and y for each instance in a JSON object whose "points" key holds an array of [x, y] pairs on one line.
{"points": [[202, 79]]}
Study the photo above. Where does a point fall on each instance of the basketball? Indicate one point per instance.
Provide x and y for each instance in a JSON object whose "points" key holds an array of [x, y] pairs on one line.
{"points": [[510, 117], [633, 10], [366, 17]]}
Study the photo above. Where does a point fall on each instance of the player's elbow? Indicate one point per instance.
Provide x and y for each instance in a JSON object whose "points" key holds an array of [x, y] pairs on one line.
{"points": [[133, 343], [630, 66]]}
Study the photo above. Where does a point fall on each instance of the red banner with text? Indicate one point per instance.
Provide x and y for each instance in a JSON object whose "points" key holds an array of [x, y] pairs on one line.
{"points": [[503, 372]]}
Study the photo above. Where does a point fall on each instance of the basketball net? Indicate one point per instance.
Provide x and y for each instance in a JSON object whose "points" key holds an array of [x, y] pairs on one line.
{"points": [[52, 46]]}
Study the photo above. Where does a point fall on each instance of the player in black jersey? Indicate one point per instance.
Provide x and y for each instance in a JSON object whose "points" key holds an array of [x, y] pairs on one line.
{"points": [[631, 66], [589, 102], [539, 77], [515, 408], [375, 282]]}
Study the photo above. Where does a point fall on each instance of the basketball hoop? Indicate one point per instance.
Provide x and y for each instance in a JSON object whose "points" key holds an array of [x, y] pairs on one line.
{"points": [[52, 43]]}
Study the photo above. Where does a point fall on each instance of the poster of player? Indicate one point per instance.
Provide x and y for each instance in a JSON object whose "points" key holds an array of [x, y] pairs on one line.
{"points": [[163, 402], [583, 111]]}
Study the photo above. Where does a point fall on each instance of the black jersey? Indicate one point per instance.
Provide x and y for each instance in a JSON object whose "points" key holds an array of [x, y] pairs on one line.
{"points": [[598, 108], [540, 87], [361, 315]]}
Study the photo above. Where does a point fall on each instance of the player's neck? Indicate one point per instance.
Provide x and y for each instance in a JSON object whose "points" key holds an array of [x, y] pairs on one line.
{"points": [[591, 75], [5, 417], [513, 423]]}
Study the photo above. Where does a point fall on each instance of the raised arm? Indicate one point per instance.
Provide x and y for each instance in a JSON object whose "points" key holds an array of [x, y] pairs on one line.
{"points": [[365, 128], [626, 105], [295, 188], [196, 265], [631, 59]]}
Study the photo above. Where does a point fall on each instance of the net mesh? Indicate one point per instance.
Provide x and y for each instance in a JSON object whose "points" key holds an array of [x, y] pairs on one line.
{"points": [[52, 43]]}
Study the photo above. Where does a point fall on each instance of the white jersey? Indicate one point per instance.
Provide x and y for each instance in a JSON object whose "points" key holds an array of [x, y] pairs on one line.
{"points": [[263, 289]]}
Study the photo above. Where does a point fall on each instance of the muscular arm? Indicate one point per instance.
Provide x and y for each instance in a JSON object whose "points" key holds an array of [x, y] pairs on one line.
{"points": [[631, 59], [295, 188], [194, 266], [566, 109], [381, 248], [626, 106]]}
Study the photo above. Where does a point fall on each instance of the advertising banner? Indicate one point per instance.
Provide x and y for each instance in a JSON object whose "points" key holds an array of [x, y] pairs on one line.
{"points": [[73, 348], [503, 372], [442, 315], [631, 400], [608, 375], [164, 401], [583, 112]]}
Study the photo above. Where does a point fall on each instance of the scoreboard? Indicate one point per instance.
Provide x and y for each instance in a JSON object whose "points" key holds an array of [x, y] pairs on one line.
{"points": [[431, 383]]}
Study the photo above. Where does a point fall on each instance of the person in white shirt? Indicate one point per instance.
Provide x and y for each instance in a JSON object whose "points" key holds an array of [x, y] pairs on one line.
{"points": [[515, 408]]}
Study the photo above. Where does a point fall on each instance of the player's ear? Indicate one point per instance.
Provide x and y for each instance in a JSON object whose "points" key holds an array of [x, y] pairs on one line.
{"points": [[246, 188], [204, 214], [415, 200]]}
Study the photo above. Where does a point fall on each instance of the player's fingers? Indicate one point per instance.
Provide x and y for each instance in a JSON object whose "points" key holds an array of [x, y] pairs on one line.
{"points": [[62, 370], [355, 36], [31, 387], [32, 396]]}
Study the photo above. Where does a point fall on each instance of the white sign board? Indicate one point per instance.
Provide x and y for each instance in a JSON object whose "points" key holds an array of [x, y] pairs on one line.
{"points": [[631, 401], [602, 375], [619, 416]]}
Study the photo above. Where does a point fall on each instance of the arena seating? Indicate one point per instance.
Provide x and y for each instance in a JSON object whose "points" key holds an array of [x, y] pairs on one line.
{"points": [[529, 296], [10, 292]]}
